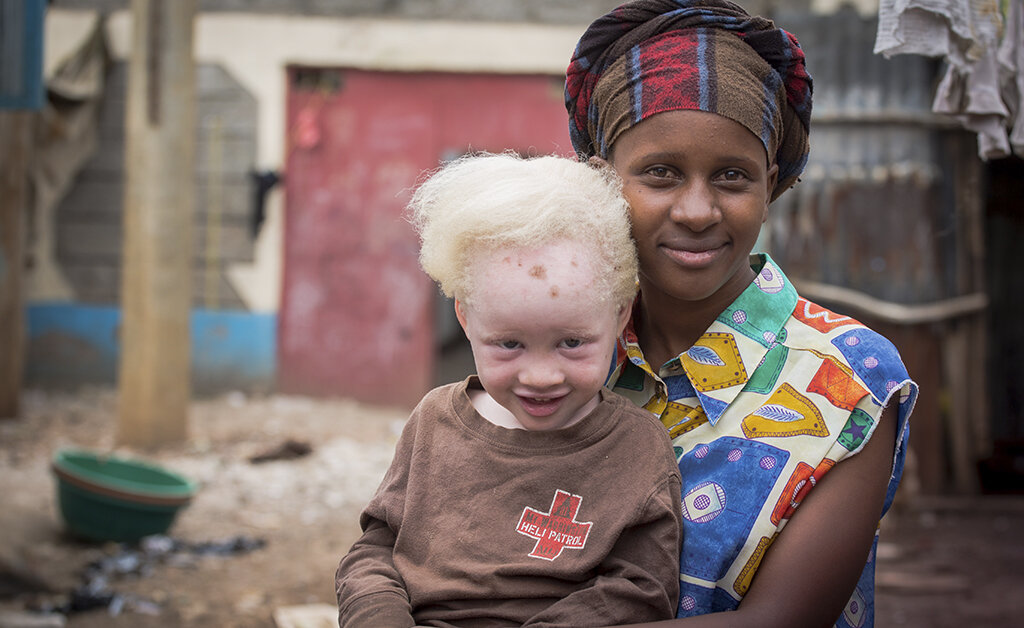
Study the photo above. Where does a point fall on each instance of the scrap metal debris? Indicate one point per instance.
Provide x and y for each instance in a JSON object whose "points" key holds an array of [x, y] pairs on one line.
{"points": [[129, 561], [285, 451]]}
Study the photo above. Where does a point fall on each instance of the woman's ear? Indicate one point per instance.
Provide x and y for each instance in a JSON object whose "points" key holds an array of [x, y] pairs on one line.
{"points": [[772, 181]]}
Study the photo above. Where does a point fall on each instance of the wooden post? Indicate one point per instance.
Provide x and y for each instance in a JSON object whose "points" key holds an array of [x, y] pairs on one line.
{"points": [[154, 376], [15, 142]]}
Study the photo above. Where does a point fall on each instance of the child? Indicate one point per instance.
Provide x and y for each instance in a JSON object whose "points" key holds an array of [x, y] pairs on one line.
{"points": [[527, 494]]}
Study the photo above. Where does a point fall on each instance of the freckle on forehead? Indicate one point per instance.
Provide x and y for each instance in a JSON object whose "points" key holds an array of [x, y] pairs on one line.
{"points": [[538, 272], [553, 292]]}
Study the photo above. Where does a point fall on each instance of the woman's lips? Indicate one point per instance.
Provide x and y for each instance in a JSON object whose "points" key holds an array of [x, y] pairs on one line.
{"points": [[693, 256]]}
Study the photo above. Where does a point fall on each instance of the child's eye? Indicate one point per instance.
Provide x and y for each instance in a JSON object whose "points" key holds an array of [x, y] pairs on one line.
{"points": [[572, 343], [509, 344]]}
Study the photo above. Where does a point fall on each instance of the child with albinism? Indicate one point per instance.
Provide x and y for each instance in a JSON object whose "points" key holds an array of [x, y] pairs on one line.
{"points": [[527, 494]]}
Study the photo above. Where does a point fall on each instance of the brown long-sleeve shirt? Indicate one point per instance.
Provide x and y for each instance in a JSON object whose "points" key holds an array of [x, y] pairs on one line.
{"points": [[475, 524]]}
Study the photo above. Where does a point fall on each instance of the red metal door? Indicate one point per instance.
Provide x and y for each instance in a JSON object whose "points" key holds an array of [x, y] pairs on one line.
{"points": [[356, 311]]}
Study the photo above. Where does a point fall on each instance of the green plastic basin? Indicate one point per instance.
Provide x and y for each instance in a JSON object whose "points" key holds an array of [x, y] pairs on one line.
{"points": [[107, 498]]}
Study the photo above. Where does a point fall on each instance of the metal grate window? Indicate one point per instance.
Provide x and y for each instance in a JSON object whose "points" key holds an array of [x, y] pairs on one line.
{"points": [[21, 54]]}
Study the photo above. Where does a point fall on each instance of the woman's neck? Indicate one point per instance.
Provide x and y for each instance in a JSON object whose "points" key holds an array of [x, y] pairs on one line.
{"points": [[666, 326], [662, 335]]}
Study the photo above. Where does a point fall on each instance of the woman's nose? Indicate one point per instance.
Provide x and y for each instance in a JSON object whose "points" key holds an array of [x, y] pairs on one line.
{"points": [[695, 207]]}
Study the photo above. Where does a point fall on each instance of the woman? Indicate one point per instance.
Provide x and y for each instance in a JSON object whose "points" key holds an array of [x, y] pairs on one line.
{"points": [[773, 402]]}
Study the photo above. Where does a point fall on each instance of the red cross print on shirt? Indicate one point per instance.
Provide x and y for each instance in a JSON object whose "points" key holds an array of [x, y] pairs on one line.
{"points": [[557, 529]]}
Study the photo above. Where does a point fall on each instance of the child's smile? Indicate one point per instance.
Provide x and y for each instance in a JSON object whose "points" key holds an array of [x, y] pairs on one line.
{"points": [[542, 333]]}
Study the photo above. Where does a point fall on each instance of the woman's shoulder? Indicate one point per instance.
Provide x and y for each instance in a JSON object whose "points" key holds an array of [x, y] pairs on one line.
{"points": [[820, 324], [847, 343]]}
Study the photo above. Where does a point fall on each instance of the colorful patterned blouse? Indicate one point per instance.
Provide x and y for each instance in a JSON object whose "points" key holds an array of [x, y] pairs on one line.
{"points": [[772, 396]]}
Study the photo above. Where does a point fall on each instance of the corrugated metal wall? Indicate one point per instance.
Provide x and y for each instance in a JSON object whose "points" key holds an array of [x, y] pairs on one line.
{"points": [[886, 225], [875, 210]]}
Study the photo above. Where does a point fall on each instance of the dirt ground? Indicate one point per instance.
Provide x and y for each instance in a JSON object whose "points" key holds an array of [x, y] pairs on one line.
{"points": [[943, 562]]}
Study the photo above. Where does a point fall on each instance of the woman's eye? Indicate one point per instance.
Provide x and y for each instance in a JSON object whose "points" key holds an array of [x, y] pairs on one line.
{"points": [[733, 174], [658, 171], [572, 343]]}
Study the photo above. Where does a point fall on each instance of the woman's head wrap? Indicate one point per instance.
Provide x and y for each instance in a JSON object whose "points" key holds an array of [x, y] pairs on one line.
{"points": [[650, 56]]}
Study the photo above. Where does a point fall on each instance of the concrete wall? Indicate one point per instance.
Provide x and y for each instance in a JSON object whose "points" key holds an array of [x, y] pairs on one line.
{"points": [[528, 11], [243, 56], [243, 49], [540, 11], [242, 61], [89, 218], [250, 54], [72, 344]]}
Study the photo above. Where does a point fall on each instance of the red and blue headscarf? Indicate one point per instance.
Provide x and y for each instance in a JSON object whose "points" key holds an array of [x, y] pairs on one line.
{"points": [[650, 56]]}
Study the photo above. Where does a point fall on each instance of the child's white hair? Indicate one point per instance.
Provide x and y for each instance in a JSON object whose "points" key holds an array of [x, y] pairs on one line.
{"points": [[488, 201]]}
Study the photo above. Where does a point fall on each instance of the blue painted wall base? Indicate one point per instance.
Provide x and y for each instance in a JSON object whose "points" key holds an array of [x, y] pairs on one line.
{"points": [[70, 345]]}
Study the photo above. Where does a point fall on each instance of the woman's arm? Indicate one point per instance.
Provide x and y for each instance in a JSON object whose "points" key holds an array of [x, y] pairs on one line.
{"points": [[811, 569]]}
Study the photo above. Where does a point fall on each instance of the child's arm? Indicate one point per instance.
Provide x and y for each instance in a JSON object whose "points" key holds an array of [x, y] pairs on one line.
{"points": [[369, 587], [640, 576]]}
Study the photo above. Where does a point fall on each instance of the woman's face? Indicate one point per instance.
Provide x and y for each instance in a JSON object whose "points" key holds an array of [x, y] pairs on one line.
{"points": [[698, 186]]}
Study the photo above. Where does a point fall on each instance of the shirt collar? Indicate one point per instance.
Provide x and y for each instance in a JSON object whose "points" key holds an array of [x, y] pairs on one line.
{"points": [[754, 323]]}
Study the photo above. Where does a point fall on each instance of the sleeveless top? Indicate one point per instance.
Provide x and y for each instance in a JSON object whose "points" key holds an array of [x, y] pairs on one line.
{"points": [[768, 400]]}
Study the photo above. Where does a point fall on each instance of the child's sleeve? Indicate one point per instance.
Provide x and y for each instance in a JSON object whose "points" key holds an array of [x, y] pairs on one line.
{"points": [[639, 579], [369, 588]]}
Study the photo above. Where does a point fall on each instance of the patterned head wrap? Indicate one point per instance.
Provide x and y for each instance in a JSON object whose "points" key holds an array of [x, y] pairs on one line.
{"points": [[650, 56]]}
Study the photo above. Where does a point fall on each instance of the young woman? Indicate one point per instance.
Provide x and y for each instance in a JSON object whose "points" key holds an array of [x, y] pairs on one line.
{"points": [[789, 421]]}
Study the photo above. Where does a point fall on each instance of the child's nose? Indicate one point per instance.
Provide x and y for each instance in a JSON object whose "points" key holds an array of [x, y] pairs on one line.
{"points": [[541, 373]]}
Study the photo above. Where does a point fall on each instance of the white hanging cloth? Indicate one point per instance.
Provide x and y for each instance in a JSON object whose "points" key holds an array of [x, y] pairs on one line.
{"points": [[982, 43]]}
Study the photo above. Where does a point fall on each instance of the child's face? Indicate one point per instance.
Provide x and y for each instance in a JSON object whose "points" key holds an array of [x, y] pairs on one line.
{"points": [[541, 331]]}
